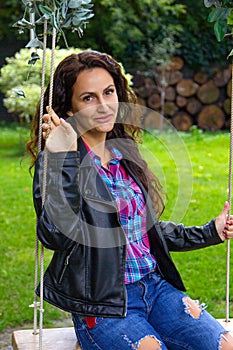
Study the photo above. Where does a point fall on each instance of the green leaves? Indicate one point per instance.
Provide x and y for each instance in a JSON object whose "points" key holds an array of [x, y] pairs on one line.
{"points": [[220, 29], [64, 14], [34, 58], [219, 13], [19, 93], [35, 43], [209, 3], [220, 16], [23, 23]]}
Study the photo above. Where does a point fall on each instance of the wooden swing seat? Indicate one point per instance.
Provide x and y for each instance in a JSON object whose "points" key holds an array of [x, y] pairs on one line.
{"points": [[62, 338], [52, 338]]}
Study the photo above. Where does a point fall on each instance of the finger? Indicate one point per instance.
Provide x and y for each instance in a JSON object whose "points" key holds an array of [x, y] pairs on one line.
{"points": [[46, 118], [226, 208], [45, 126], [48, 127], [44, 135], [64, 124], [54, 117]]}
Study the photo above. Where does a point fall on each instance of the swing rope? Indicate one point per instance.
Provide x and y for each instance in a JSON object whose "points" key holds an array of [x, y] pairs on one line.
{"points": [[41, 265], [36, 303], [229, 200]]}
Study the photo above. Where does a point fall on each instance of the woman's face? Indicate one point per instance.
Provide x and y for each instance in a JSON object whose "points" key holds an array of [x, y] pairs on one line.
{"points": [[94, 101]]}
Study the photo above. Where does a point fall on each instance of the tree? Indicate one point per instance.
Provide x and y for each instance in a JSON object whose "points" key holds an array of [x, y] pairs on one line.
{"points": [[126, 28], [198, 42], [120, 28], [221, 14], [9, 14]]}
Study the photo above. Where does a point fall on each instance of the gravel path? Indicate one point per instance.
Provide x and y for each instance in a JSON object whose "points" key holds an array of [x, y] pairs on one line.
{"points": [[5, 339]]}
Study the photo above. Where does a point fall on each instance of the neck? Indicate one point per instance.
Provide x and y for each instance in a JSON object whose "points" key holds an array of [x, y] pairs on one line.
{"points": [[97, 145]]}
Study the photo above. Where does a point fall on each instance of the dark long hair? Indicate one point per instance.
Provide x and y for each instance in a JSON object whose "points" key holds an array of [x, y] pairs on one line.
{"points": [[64, 79]]}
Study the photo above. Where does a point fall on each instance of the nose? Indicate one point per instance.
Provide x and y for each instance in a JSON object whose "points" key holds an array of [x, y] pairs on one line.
{"points": [[102, 105]]}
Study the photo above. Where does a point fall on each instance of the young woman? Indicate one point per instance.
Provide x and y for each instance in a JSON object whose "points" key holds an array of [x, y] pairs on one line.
{"points": [[111, 266]]}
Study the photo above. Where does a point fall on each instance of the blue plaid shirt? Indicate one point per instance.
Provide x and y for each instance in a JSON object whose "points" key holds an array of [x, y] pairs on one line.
{"points": [[132, 211]]}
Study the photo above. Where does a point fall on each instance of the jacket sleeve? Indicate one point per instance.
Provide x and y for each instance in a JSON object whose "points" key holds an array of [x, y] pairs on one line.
{"points": [[181, 238], [57, 218]]}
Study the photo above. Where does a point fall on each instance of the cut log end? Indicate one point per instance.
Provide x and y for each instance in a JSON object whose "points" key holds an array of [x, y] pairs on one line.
{"points": [[182, 121], [153, 120], [208, 92], [211, 118], [186, 87]]}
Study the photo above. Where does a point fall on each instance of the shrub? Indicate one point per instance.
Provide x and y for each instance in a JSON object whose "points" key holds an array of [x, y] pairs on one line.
{"points": [[21, 82]]}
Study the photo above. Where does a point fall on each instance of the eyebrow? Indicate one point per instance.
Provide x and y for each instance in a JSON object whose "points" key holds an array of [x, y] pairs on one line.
{"points": [[91, 93]]}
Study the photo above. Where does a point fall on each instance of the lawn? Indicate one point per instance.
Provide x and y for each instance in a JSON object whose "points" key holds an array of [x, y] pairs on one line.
{"points": [[193, 169], [17, 232]]}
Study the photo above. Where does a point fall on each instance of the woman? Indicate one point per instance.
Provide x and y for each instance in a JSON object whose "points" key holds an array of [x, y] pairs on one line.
{"points": [[111, 266]]}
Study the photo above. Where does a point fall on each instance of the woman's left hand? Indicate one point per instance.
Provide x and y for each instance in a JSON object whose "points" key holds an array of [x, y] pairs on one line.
{"points": [[223, 224]]}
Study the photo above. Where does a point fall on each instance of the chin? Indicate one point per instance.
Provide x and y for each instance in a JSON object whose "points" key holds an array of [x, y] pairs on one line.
{"points": [[105, 127]]}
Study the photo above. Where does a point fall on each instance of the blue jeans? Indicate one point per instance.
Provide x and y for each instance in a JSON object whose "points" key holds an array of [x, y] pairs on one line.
{"points": [[155, 309]]}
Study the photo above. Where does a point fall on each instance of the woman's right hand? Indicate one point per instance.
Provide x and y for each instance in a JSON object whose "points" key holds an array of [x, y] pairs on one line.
{"points": [[59, 135]]}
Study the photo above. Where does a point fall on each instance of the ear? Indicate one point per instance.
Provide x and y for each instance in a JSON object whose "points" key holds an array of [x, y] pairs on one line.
{"points": [[70, 113]]}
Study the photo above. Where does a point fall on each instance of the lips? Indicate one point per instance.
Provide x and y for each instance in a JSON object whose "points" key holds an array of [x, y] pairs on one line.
{"points": [[104, 119]]}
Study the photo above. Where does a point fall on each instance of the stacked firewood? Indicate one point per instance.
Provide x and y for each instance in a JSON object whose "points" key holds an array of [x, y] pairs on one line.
{"points": [[186, 98]]}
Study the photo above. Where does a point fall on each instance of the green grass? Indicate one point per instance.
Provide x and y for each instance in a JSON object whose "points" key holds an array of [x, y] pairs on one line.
{"points": [[17, 232], [195, 175], [193, 169]]}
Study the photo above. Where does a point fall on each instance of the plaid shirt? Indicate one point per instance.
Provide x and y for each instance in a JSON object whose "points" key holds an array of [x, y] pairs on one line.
{"points": [[132, 211]]}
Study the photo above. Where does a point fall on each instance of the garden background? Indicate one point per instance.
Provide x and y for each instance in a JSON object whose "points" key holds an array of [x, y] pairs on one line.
{"points": [[143, 36]]}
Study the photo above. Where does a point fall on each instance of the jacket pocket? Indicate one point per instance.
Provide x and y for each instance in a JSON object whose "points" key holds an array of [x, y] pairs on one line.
{"points": [[66, 263]]}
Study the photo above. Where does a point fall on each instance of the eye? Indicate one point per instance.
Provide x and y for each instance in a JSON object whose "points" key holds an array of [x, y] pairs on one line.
{"points": [[88, 98], [110, 91]]}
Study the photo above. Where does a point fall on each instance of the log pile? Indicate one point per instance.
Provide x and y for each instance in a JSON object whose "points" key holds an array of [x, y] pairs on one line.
{"points": [[190, 98]]}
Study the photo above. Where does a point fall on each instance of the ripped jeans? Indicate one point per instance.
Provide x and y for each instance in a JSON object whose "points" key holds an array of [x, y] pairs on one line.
{"points": [[155, 309]]}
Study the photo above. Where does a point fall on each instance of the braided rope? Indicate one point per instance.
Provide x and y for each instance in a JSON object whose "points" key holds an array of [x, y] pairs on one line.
{"points": [[36, 304], [40, 136], [42, 85], [52, 64], [229, 200]]}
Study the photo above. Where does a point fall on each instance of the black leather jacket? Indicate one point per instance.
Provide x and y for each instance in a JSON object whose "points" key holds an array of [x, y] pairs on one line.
{"points": [[80, 223]]}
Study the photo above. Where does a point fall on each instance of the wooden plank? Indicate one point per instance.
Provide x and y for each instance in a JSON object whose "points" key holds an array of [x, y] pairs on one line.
{"points": [[62, 338], [53, 338], [227, 325]]}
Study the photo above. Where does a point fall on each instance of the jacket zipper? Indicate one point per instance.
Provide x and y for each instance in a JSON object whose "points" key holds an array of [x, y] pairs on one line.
{"points": [[66, 263]]}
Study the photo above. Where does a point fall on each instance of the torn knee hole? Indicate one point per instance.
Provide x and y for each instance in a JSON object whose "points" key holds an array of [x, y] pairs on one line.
{"points": [[226, 341], [149, 342], [192, 307]]}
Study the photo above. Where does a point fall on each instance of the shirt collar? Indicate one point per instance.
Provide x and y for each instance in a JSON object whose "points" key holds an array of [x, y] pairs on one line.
{"points": [[115, 154]]}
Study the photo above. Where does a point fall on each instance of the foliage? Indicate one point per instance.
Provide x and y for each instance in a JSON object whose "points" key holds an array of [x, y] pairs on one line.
{"points": [[198, 43], [130, 28], [127, 29], [10, 12], [18, 76], [221, 15], [65, 14], [23, 106]]}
